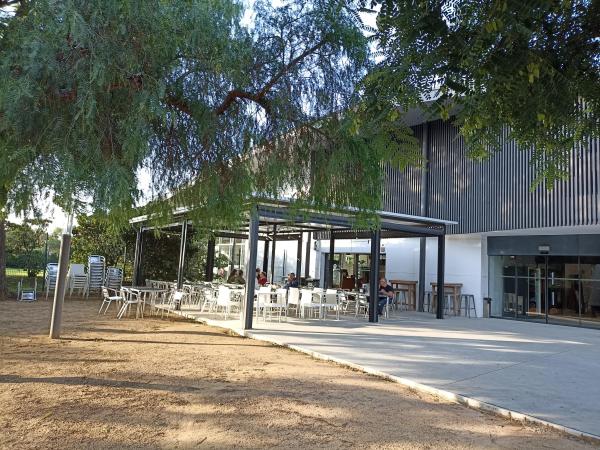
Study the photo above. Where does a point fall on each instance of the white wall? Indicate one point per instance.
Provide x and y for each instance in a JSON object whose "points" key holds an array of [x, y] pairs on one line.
{"points": [[464, 261]]}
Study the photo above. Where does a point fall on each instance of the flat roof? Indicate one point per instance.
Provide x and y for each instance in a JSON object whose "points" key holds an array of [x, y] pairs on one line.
{"points": [[284, 220]]}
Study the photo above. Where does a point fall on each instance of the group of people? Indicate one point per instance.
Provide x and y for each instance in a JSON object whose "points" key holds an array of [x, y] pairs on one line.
{"points": [[262, 280], [236, 277], [386, 292]]}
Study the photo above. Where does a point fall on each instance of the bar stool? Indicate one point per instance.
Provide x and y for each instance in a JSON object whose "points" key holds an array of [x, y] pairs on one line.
{"points": [[401, 301], [468, 300], [427, 301], [448, 303]]}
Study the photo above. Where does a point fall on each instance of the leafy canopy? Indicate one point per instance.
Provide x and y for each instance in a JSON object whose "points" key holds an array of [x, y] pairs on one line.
{"points": [[218, 103], [531, 66]]}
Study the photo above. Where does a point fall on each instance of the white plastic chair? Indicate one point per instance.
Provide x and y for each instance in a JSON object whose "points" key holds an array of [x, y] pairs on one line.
{"points": [[129, 298], [306, 302], [330, 301], [263, 296], [107, 299], [224, 301], [279, 305], [293, 301]]}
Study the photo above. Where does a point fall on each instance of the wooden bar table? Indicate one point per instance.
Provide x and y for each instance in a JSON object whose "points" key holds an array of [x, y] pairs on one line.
{"points": [[450, 289], [408, 286]]}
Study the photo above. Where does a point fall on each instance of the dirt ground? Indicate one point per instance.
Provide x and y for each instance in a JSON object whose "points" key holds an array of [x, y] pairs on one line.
{"points": [[153, 383]]}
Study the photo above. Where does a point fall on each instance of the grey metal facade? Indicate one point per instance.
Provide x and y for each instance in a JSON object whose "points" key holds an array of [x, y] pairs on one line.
{"points": [[494, 194]]}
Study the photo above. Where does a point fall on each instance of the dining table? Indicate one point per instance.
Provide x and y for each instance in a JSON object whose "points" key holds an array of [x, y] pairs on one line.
{"points": [[144, 294], [409, 287]]}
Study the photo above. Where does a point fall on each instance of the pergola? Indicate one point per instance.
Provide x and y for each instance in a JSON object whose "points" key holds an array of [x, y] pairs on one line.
{"points": [[273, 221]]}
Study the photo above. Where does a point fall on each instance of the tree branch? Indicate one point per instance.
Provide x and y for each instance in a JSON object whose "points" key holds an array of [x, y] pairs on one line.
{"points": [[259, 97]]}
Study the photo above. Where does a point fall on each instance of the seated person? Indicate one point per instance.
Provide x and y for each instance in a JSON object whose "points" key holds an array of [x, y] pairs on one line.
{"points": [[239, 278], [348, 283], [262, 279], [386, 294], [232, 276], [292, 281]]}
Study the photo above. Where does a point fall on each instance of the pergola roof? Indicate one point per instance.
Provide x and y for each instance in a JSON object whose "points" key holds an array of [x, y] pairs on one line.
{"points": [[281, 218]]}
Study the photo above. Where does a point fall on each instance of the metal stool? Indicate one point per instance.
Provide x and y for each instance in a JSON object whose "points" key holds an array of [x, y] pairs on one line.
{"points": [[468, 300], [448, 303], [401, 301], [427, 301]]}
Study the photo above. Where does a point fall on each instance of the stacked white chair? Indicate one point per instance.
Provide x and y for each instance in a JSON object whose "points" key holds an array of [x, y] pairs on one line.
{"points": [[77, 279], [51, 276], [114, 278], [95, 273]]}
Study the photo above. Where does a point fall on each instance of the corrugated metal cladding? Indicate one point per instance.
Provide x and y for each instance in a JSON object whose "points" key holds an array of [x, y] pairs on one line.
{"points": [[495, 194], [402, 193]]}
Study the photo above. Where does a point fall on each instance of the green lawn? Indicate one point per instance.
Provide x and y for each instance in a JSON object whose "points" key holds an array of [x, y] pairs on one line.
{"points": [[14, 275]]}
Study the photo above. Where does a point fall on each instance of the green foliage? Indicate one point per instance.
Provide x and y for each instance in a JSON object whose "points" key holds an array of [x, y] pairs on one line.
{"points": [[530, 66], [161, 255], [26, 246], [217, 108], [96, 235]]}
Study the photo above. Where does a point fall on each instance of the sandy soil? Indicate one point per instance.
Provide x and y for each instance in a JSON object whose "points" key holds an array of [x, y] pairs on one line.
{"points": [[156, 383]]}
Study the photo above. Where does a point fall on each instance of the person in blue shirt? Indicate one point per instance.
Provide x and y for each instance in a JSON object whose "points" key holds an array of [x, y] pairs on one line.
{"points": [[292, 281]]}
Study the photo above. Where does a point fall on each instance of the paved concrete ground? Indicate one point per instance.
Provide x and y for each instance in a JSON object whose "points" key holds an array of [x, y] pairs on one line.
{"points": [[547, 371]]}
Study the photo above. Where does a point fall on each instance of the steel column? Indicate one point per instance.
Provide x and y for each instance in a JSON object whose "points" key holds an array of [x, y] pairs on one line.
{"points": [[299, 258], [329, 268], [424, 209], [374, 275], [210, 259], [273, 254], [137, 257], [232, 257], [251, 250], [265, 265], [422, 273], [440, 276], [307, 256], [182, 247]]}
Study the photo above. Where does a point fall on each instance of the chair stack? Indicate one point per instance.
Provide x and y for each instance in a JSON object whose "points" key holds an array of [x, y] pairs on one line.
{"points": [[51, 276], [114, 278], [77, 279], [96, 266]]}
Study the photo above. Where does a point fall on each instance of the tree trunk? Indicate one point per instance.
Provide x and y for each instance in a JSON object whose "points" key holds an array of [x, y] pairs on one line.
{"points": [[3, 287]]}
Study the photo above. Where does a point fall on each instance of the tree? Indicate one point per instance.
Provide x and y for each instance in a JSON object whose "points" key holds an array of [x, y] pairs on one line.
{"points": [[219, 102], [95, 235], [25, 245], [3, 285], [530, 66]]}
